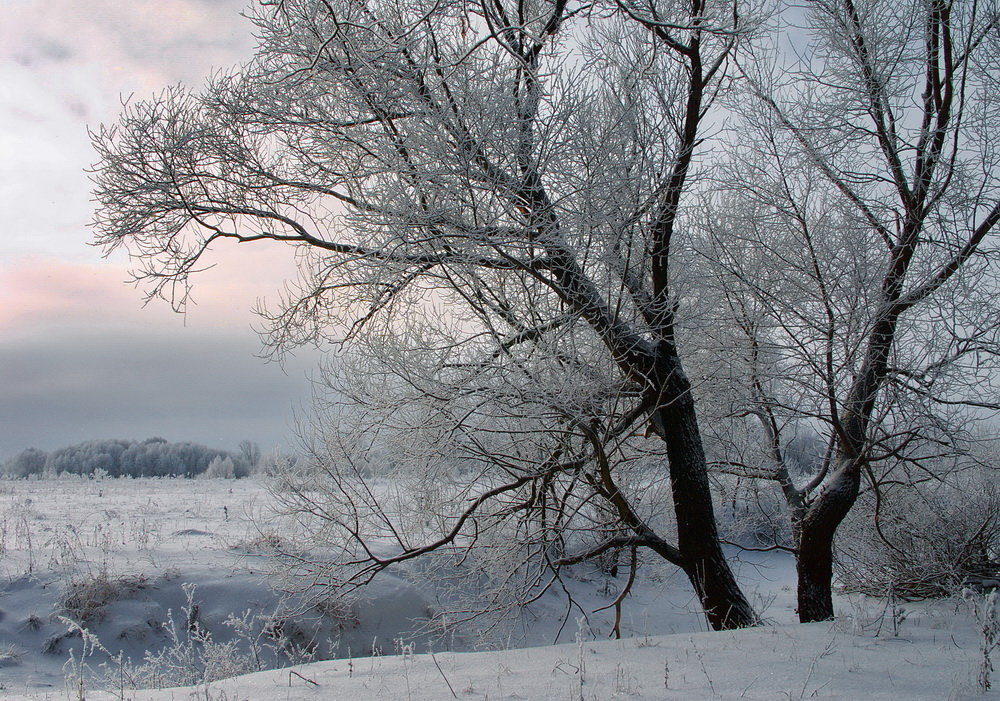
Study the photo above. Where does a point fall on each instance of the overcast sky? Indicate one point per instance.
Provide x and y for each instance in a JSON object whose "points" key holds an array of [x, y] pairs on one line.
{"points": [[80, 357]]}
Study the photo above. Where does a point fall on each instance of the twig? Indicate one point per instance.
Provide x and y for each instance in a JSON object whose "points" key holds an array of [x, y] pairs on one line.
{"points": [[305, 679], [616, 630], [443, 676]]}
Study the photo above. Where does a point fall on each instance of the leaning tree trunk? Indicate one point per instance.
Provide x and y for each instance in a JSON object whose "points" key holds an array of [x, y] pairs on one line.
{"points": [[724, 603]]}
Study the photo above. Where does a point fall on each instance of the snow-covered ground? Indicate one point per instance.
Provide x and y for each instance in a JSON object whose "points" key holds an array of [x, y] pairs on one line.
{"points": [[170, 569]]}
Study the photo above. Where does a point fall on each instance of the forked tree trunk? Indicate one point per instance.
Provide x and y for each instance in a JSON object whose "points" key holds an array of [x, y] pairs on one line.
{"points": [[724, 603], [815, 534], [818, 527]]}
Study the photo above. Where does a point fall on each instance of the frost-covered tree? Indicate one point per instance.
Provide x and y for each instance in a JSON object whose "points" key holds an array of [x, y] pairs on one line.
{"points": [[250, 455], [88, 457], [28, 462], [153, 457], [851, 251], [220, 468], [486, 198]]}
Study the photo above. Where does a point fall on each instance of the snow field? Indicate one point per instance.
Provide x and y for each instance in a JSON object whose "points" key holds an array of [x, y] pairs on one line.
{"points": [[139, 555]]}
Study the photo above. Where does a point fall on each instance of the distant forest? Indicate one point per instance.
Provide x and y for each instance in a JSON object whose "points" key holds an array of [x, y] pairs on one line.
{"points": [[153, 457]]}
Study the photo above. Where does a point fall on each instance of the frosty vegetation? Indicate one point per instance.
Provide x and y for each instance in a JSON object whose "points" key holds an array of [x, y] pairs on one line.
{"points": [[153, 457], [598, 272]]}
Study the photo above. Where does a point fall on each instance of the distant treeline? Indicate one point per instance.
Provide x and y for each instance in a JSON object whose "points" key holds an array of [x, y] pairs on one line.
{"points": [[153, 457]]}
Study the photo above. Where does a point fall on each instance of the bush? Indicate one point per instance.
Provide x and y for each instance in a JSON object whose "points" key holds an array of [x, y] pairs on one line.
{"points": [[220, 468], [923, 542], [29, 462], [751, 513]]}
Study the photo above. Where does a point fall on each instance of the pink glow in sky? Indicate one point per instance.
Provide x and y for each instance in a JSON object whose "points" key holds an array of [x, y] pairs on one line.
{"points": [[80, 357], [44, 291]]}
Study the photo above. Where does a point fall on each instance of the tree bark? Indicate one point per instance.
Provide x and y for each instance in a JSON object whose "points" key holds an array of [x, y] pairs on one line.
{"points": [[705, 564], [814, 567], [815, 535]]}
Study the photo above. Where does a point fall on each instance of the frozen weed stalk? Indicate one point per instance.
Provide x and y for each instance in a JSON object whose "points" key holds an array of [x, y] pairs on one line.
{"points": [[986, 609], [9, 655], [701, 661], [191, 655], [76, 670], [625, 681]]}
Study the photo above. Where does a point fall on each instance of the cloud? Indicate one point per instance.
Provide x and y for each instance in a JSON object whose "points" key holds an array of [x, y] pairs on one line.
{"points": [[51, 50], [45, 291], [176, 39], [81, 358], [65, 64], [59, 390]]}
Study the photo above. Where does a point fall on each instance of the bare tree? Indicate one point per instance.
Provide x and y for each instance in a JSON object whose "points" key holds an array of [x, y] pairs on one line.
{"points": [[854, 244], [251, 455], [490, 189], [495, 477]]}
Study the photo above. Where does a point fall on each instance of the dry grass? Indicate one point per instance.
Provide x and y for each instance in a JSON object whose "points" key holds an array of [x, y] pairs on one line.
{"points": [[86, 599]]}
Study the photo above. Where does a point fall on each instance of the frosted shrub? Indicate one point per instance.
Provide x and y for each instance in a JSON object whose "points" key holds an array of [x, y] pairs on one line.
{"points": [[751, 512], [922, 543], [220, 468]]}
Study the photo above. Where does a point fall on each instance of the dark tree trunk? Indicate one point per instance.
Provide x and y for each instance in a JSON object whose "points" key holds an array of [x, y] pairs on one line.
{"points": [[815, 535], [814, 566], [725, 605], [697, 536]]}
